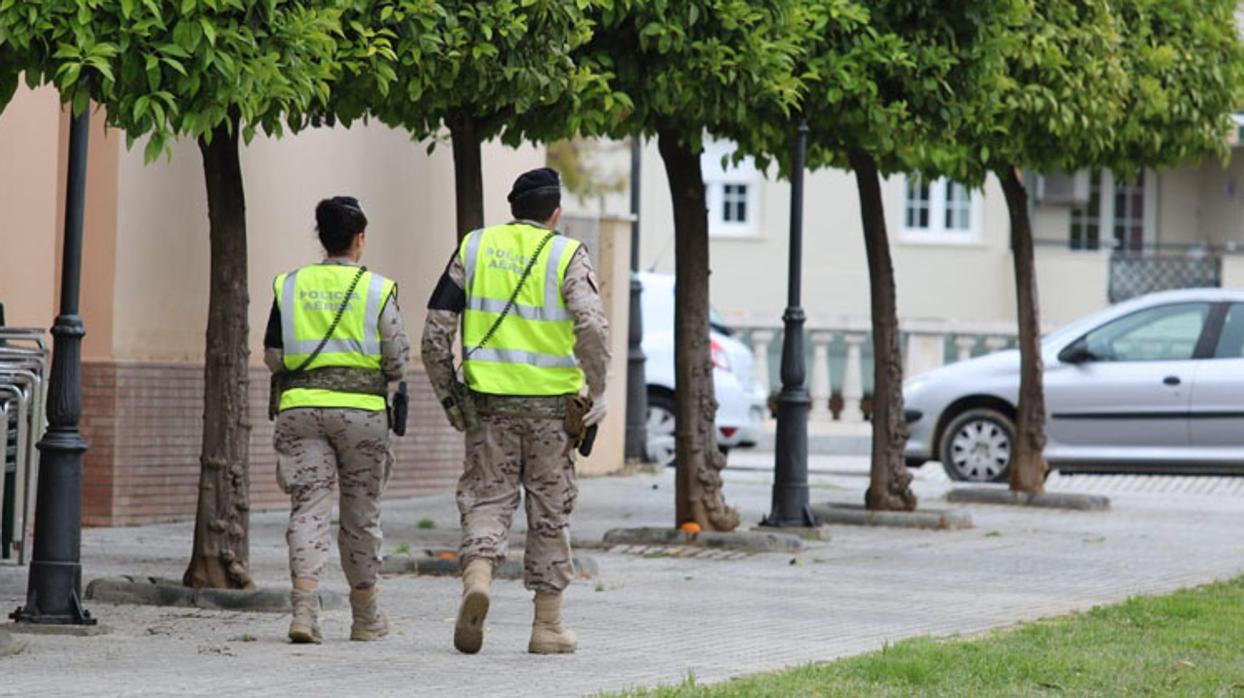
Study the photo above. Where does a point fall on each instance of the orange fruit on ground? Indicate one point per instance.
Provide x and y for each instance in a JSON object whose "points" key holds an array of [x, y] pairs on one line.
{"points": [[690, 527], [446, 555]]}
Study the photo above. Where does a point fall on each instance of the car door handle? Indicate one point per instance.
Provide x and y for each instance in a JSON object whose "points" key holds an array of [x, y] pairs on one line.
{"points": [[1171, 380]]}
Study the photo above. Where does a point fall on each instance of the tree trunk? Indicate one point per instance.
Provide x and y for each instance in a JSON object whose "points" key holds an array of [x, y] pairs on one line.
{"points": [[698, 496], [468, 172], [1028, 466], [220, 558], [889, 486]]}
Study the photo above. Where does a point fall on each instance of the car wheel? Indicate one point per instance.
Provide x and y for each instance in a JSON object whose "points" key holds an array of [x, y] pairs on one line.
{"points": [[660, 429], [977, 445]]}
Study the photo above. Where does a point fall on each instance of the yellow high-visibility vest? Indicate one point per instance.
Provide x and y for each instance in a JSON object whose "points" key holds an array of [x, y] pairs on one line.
{"points": [[308, 300], [532, 352]]}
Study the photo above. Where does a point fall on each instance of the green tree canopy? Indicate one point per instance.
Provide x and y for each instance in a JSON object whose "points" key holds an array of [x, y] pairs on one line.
{"points": [[216, 71], [184, 67], [476, 67], [689, 69], [1186, 65]]}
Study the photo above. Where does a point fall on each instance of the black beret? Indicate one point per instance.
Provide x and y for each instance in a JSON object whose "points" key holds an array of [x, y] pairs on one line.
{"points": [[534, 180]]}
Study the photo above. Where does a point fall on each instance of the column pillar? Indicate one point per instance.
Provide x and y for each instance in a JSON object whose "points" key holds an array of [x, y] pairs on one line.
{"points": [[853, 379], [964, 346], [821, 385], [760, 341]]}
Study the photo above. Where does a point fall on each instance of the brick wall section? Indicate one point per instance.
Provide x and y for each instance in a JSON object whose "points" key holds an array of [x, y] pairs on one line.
{"points": [[143, 423]]}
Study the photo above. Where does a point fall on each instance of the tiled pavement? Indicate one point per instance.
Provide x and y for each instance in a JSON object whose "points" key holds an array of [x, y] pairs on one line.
{"points": [[651, 619]]}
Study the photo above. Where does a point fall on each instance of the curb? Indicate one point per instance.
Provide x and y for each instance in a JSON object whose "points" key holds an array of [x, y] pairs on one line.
{"points": [[67, 630], [1047, 500], [435, 566], [154, 591], [820, 532], [8, 646], [857, 515], [745, 541], [837, 445]]}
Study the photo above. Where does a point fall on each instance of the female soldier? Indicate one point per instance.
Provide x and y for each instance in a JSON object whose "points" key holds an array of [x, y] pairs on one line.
{"points": [[334, 341]]}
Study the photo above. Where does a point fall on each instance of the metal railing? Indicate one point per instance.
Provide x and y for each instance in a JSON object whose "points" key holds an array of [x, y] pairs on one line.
{"points": [[24, 363], [1135, 274]]}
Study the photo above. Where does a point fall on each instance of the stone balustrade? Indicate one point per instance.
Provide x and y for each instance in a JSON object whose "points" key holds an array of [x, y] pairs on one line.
{"points": [[840, 356]]}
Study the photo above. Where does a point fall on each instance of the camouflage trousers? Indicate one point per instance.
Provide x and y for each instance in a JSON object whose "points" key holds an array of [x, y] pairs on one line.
{"points": [[319, 446], [507, 453]]}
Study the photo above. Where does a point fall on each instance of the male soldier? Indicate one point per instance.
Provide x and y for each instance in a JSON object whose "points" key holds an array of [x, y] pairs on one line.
{"points": [[534, 332]]}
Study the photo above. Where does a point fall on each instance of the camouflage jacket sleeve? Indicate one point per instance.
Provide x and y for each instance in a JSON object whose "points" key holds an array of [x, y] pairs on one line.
{"points": [[591, 329], [394, 344], [444, 308], [274, 359]]}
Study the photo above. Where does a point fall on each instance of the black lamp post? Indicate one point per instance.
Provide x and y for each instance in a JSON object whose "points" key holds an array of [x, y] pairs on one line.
{"points": [[53, 595], [790, 469], [636, 448]]}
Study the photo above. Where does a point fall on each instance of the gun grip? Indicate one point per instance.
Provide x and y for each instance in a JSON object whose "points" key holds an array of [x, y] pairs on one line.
{"points": [[401, 402], [589, 437]]}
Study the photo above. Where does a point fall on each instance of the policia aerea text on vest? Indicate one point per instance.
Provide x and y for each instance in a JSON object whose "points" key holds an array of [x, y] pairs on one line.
{"points": [[334, 342], [534, 336]]}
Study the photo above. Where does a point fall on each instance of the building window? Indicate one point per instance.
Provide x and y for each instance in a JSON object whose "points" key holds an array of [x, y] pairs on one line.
{"points": [[734, 203], [917, 203], [958, 207], [1118, 207], [1086, 220], [733, 191], [940, 211]]}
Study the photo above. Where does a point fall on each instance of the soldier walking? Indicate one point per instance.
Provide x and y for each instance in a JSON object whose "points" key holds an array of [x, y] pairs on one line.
{"points": [[534, 337], [334, 341]]}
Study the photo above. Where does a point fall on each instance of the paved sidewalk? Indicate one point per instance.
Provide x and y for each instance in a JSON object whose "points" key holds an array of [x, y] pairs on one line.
{"points": [[651, 620]]}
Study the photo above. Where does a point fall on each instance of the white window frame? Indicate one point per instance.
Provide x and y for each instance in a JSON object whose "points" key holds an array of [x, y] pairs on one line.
{"points": [[717, 177], [1105, 218], [937, 233]]}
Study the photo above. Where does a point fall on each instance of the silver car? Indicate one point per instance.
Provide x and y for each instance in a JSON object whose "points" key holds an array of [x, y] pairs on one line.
{"points": [[1152, 385]]}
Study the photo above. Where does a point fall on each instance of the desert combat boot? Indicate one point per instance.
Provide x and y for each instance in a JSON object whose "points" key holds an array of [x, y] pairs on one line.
{"points": [[305, 626], [547, 634], [469, 628], [369, 621]]}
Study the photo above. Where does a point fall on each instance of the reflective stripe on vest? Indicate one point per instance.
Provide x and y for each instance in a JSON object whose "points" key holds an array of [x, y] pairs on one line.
{"points": [[308, 300], [532, 351]]}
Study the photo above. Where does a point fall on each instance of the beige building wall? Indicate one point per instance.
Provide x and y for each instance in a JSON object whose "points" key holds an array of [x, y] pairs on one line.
{"points": [[969, 282], [960, 282], [163, 228], [1222, 201], [29, 150], [1179, 205]]}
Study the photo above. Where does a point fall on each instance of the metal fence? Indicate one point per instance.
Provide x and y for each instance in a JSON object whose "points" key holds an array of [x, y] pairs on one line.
{"points": [[1134, 274], [23, 390]]}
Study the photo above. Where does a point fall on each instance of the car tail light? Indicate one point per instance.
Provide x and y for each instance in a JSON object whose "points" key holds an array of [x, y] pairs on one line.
{"points": [[720, 358], [728, 431]]}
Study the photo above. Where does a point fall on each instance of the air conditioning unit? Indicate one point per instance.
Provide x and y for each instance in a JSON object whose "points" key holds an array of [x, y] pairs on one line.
{"points": [[1063, 188]]}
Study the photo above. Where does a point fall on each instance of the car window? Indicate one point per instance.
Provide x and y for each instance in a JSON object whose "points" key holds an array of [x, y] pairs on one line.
{"points": [[1231, 343], [1163, 333]]}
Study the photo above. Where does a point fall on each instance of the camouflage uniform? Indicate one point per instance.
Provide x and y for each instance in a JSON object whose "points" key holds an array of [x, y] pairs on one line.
{"points": [[317, 446], [510, 452]]}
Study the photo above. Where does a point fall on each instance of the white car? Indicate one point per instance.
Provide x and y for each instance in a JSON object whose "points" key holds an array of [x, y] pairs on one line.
{"points": [[1152, 385], [741, 402]]}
